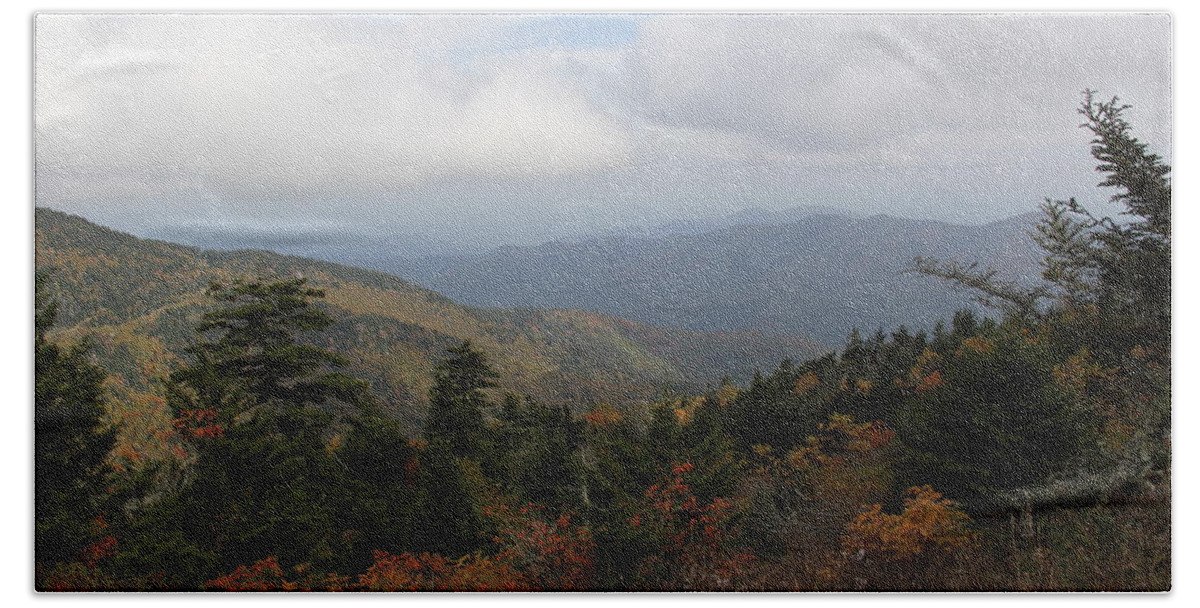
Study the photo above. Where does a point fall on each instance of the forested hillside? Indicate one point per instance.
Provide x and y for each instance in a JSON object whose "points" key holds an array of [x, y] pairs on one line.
{"points": [[247, 429], [139, 300], [816, 274]]}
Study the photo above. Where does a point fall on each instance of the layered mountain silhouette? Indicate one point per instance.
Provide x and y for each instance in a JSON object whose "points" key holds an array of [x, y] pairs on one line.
{"points": [[809, 273]]}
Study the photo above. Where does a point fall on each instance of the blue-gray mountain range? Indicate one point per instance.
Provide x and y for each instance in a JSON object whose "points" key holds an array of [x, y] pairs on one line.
{"points": [[808, 271], [820, 276]]}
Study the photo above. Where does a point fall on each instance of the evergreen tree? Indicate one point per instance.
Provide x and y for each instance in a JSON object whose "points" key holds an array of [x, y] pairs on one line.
{"points": [[448, 523], [537, 453], [1119, 270], [258, 407], [618, 469], [986, 415], [457, 402], [781, 410], [71, 442], [1105, 312], [381, 507], [706, 445], [252, 358], [1108, 283]]}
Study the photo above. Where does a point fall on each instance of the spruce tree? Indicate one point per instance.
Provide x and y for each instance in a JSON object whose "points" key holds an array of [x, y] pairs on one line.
{"points": [[258, 406], [447, 523], [1108, 282], [457, 402], [71, 442], [1100, 323], [250, 356]]}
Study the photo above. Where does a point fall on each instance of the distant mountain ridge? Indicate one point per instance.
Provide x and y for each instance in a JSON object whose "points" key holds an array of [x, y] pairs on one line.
{"points": [[378, 248], [330, 243], [139, 300], [819, 276], [753, 216]]}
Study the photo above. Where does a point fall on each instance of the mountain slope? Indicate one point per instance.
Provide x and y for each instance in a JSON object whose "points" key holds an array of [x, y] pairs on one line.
{"points": [[138, 300], [819, 276]]}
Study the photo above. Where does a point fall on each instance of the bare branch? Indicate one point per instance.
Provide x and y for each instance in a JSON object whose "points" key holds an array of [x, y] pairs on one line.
{"points": [[1006, 296]]}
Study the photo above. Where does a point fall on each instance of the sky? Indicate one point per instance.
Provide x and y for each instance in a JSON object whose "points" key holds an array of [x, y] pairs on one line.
{"points": [[492, 129]]}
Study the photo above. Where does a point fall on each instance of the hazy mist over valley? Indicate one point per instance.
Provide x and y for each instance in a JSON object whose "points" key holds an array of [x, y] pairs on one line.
{"points": [[806, 271]]}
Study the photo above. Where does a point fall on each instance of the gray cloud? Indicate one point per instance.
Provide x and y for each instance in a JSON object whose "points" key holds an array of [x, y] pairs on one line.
{"points": [[524, 128]]}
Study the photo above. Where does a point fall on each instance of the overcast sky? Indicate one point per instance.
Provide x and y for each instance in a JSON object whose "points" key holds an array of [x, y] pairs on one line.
{"points": [[524, 128]]}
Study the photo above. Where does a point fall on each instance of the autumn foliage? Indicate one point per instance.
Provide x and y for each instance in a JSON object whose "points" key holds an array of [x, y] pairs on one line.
{"points": [[929, 523], [198, 424], [927, 534], [268, 575], [531, 554], [548, 553], [404, 572], [694, 551]]}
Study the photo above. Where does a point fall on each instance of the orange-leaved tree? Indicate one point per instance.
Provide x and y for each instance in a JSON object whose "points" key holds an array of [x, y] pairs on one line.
{"points": [[912, 549]]}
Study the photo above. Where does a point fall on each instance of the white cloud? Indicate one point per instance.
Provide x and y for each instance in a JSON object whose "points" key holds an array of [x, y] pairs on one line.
{"points": [[844, 83], [489, 124], [291, 109]]}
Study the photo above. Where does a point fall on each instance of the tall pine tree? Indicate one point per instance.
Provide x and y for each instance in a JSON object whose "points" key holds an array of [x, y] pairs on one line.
{"points": [[457, 402], [71, 442], [259, 406]]}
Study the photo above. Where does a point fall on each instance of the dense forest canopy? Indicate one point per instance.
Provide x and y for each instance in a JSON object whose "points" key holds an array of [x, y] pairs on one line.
{"points": [[1025, 450]]}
